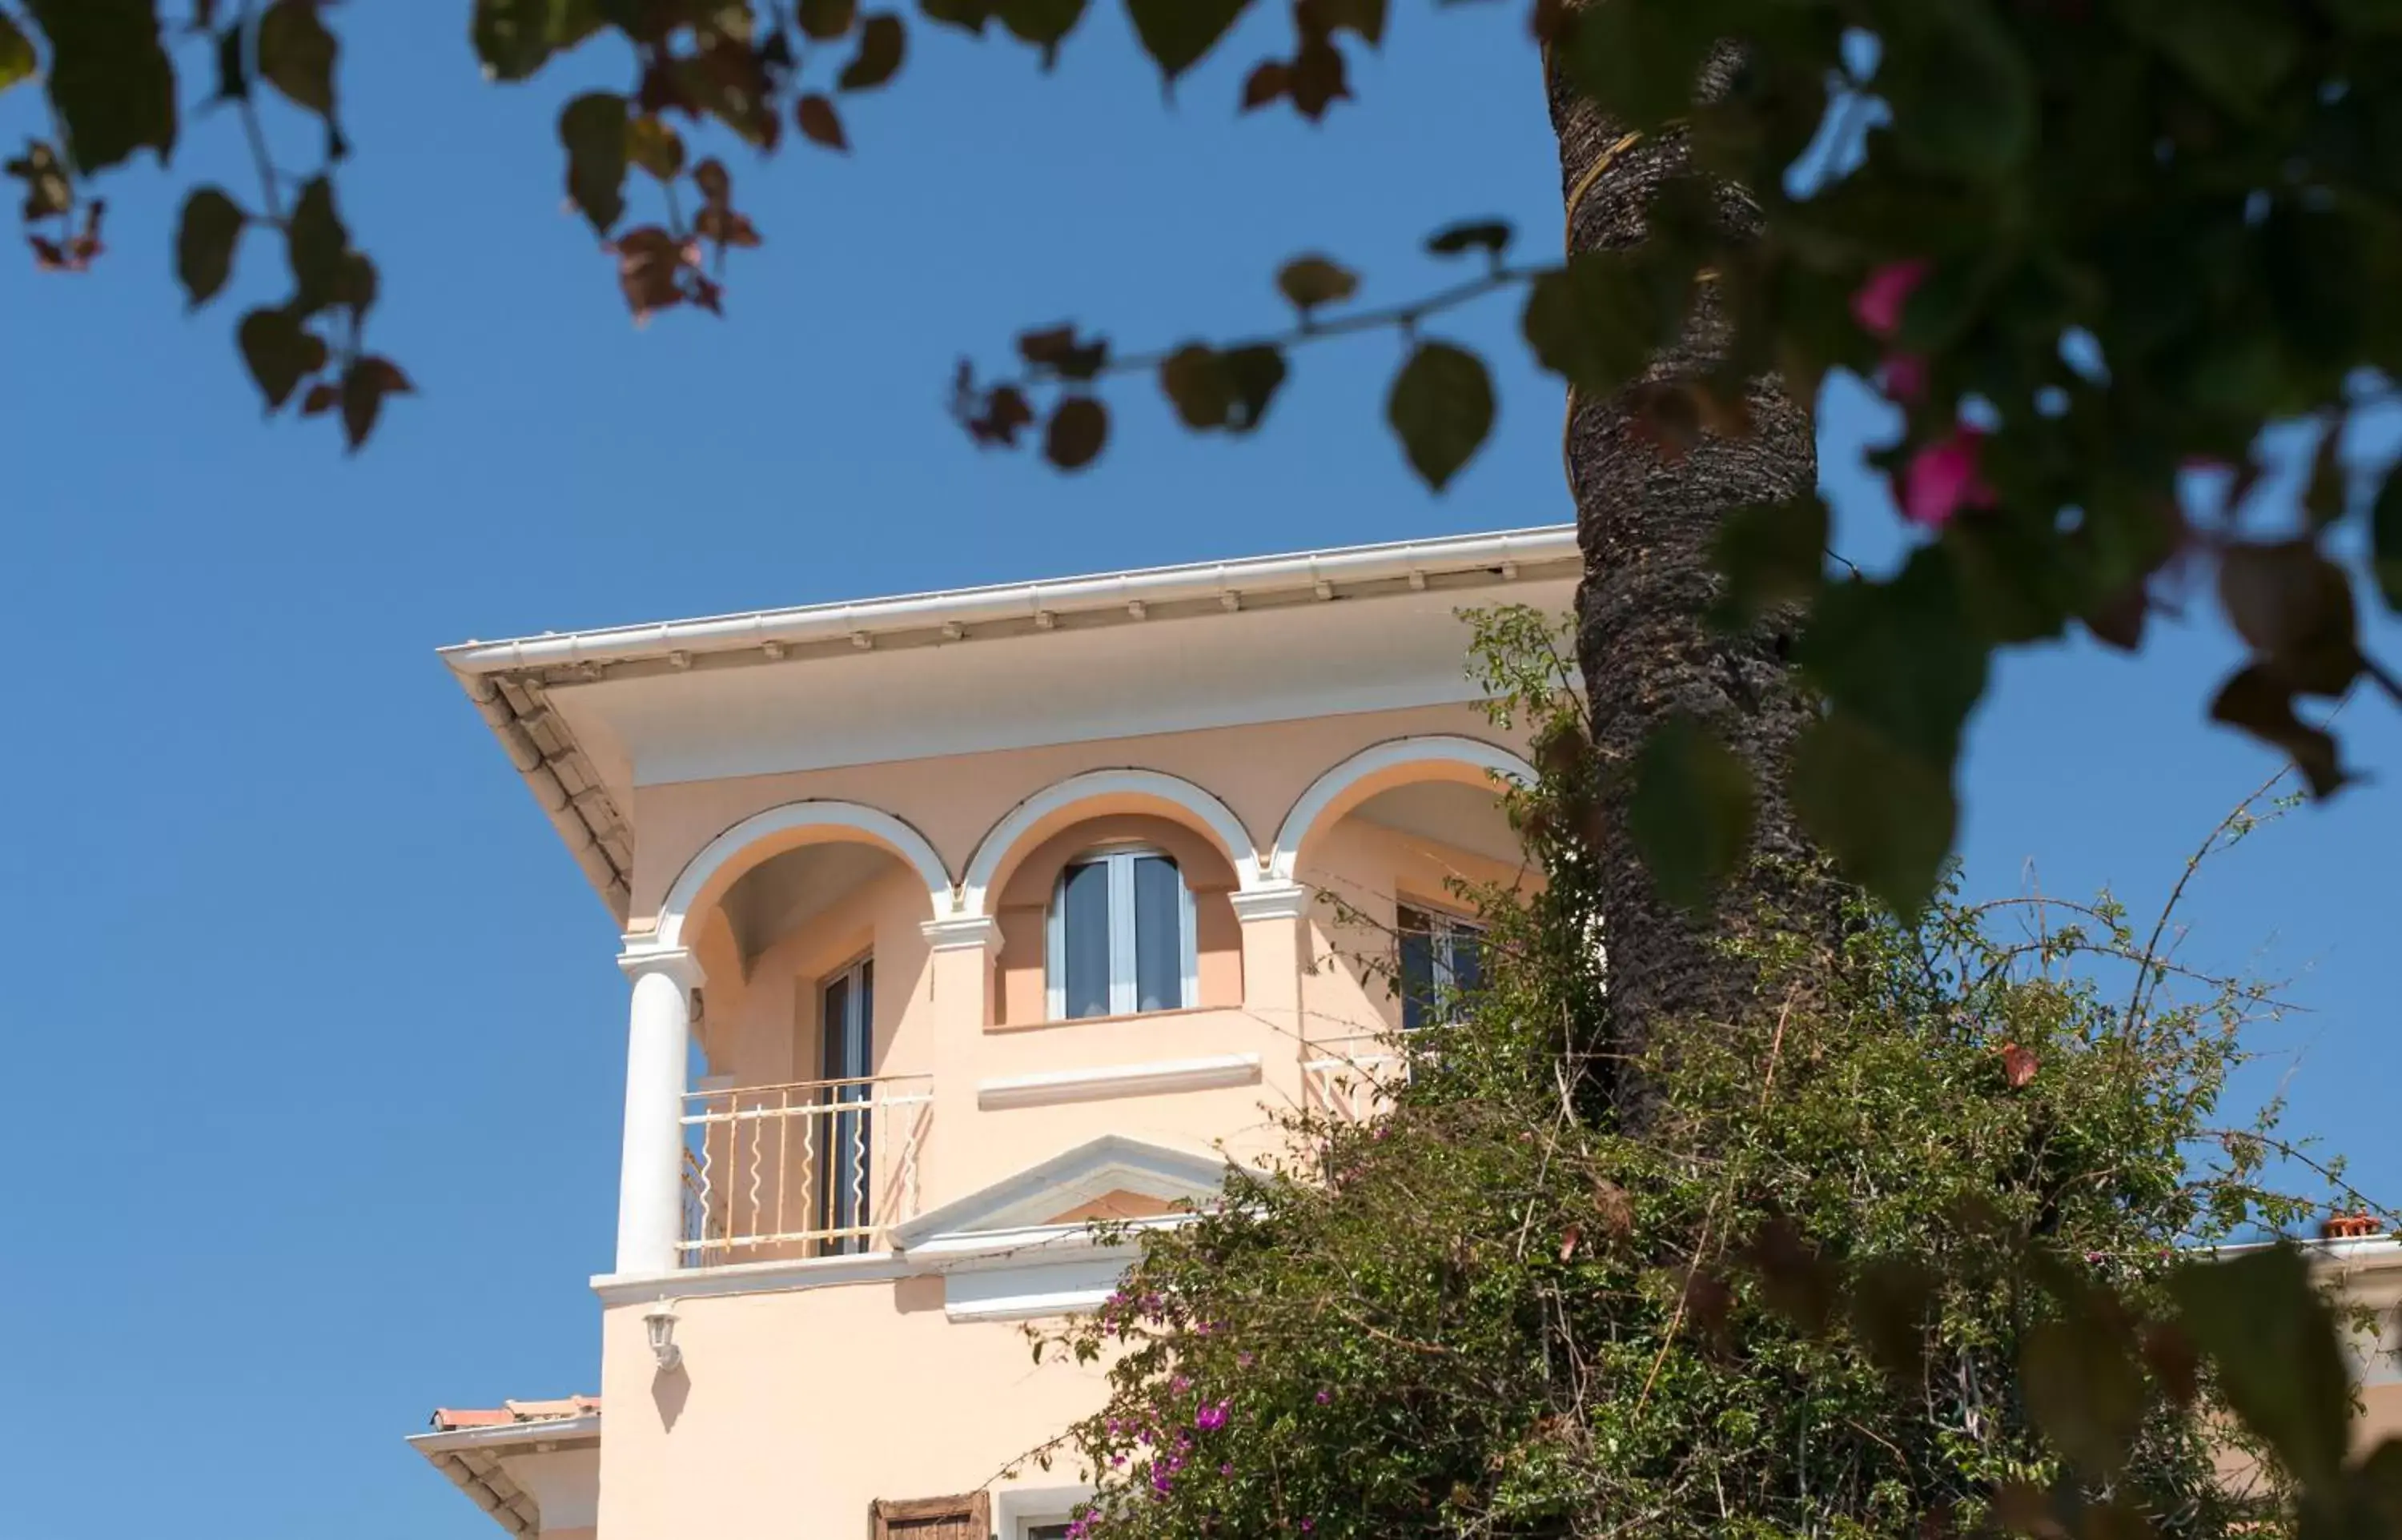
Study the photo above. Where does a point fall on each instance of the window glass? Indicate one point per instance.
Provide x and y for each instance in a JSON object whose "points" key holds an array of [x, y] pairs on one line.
{"points": [[1084, 906], [1440, 959], [1158, 934], [1417, 969], [1121, 936]]}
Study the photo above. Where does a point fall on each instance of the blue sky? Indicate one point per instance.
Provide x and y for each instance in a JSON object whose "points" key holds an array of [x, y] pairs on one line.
{"points": [[317, 1038]]}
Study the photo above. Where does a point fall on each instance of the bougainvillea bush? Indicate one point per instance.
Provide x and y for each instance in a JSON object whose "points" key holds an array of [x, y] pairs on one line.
{"points": [[1895, 1254]]}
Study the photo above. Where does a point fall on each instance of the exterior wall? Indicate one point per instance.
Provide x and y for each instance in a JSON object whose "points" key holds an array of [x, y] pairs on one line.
{"points": [[796, 1406], [792, 1413]]}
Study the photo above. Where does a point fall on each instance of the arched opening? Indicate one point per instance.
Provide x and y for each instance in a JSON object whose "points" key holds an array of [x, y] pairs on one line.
{"points": [[810, 1096], [1117, 915], [1404, 839]]}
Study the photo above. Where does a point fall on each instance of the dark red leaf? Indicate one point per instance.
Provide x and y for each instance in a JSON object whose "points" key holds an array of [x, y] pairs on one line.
{"points": [[1080, 425], [1270, 80], [820, 123]]}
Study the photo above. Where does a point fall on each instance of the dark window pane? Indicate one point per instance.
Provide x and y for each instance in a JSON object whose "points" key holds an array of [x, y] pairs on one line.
{"points": [[1466, 964], [1417, 969], [1158, 934], [835, 1057], [1084, 911]]}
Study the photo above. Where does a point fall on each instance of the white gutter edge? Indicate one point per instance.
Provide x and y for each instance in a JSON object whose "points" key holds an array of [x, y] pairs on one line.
{"points": [[502, 1435], [1018, 601]]}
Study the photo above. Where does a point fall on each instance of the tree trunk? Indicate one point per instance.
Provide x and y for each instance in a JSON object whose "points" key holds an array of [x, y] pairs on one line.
{"points": [[1645, 524]]}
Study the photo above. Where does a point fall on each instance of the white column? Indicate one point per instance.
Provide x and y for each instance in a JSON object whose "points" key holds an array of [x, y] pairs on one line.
{"points": [[658, 1038]]}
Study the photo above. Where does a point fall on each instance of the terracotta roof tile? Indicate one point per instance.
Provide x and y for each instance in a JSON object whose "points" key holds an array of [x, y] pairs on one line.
{"points": [[451, 1419]]}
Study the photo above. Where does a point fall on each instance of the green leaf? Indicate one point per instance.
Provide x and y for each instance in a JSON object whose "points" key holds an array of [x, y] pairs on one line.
{"points": [[514, 39], [966, 15], [1640, 59], [1961, 91], [1490, 236], [1229, 390], [281, 353], [1309, 282], [593, 128], [654, 145], [1041, 23], [1441, 408], [296, 55], [1597, 321], [2385, 539], [1899, 654], [882, 42], [1691, 812], [2261, 1320], [1366, 18], [1888, 817], [205, 237], [110, 79], [2238, 51], [1080, 425], [827, 20], [1769, 553], [17, 61], [317, 242], [1178, 33]]}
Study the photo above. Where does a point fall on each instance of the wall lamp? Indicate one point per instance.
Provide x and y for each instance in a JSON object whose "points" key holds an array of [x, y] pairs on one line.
{"points": [[659, 1324]]}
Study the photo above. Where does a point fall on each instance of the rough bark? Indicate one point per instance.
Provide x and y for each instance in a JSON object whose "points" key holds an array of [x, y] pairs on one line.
{"points": [[1645, 523]]}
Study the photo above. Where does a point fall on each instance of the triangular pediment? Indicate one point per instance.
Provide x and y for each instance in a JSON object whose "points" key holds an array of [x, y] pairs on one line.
{"points": [[1104, 1177]]}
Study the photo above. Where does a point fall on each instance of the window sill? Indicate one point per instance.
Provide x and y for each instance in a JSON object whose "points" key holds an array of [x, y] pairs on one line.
{"points": [[1179, 1012]]}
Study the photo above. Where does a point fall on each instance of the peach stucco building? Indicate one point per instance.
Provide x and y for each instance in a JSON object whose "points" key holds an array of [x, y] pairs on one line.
{"points": [[952, 921]]}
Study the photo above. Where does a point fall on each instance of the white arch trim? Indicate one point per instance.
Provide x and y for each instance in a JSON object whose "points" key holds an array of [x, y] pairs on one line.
{"points": [[1375, 761], [1006, 835], [879, 828]]}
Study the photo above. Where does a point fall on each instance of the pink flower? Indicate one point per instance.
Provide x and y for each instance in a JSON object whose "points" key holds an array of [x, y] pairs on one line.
{"points": [[1905, 377], [1878, 304], [1226, 1470], [1324, 1397], [1941, 479], [1210, 1419]]}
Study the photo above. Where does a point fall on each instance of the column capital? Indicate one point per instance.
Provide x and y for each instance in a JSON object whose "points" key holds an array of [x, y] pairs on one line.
{"points": [[642, 958], [962, 932], [1273, 901]]}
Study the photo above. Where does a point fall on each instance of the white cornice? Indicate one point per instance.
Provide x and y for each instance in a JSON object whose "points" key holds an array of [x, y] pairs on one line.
{"points": [[1321, 573], [500, 1435]]}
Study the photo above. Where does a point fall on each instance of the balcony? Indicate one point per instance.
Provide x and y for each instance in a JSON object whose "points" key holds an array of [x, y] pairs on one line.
{"points": [[1352, 1078], [816, 1168]]}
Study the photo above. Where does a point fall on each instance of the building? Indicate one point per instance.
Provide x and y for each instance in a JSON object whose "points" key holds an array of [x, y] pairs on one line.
{"points": [[952, 923]]}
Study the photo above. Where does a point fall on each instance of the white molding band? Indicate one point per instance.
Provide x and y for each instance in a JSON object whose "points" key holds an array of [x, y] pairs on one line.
{"points": [[1005, 836], [1273, 901], [642, 956], [878, 825], [1437, 749], [962, 933], [1130, 1079]]}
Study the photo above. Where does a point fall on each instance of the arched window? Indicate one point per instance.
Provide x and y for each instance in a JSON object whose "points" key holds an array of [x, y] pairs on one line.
{"points": [[1121, 936]]}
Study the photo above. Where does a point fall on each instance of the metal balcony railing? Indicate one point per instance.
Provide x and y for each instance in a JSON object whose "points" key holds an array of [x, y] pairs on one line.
{"points": [[815, 1168]]}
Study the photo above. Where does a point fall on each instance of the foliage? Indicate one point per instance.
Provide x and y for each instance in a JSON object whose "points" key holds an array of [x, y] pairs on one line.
{"points": [[1900, 1253], [2092, 248]]}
